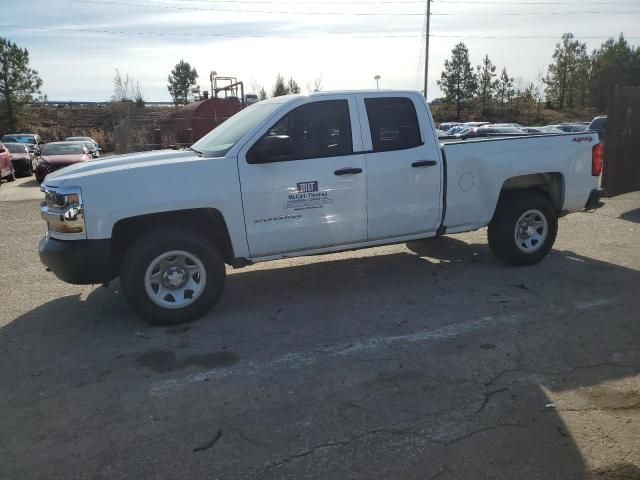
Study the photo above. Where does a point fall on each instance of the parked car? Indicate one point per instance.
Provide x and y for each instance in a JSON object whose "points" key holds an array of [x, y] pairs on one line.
{"points": [[491, 131], [516, 125], [349, 170], [32, 141], [458, 129], [92, 146], [6, 167], [531, 130], [95, 147], [446, 126], [599, 125], [441, 134], [475, 124], [22, 159], [250, 99], [570, 127], [547, 129], [58, 155]]}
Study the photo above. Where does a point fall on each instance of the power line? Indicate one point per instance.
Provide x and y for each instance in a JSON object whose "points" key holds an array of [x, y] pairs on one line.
{"points": [[197, 34], [407, 2], [230, 35], [367, 14]]}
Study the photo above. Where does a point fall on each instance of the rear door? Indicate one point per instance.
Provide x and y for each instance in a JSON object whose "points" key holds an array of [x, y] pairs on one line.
{"points": [[404, 171], [316, 197]]}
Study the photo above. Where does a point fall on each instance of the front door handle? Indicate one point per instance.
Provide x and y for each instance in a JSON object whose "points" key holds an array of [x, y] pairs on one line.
{"points": [[348, 171], [424, 163]]}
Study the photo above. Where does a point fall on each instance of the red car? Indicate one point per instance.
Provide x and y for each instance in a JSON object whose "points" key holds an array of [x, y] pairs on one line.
{"points": [[24, 161], [58, 155], [6, 167]]}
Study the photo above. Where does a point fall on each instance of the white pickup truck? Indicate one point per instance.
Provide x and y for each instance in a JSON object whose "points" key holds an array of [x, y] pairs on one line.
{"points": [[304, 175]]}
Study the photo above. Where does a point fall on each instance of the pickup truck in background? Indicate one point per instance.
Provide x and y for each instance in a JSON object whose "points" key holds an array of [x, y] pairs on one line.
{"points": [[304, 175]]}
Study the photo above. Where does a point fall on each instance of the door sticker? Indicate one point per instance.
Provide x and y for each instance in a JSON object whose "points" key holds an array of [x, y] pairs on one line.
{"points": [[307, 196]]}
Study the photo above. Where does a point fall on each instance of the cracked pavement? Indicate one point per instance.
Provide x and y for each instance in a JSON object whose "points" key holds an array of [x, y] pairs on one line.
{"points": [[419, 361]]}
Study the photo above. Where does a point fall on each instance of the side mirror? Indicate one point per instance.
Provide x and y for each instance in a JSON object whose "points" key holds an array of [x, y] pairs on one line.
{"points": [[2, 149], [274, 148]]}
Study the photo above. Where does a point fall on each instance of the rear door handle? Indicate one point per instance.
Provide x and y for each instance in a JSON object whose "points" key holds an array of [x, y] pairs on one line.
{"points": [[424, 163], [348, 171]]}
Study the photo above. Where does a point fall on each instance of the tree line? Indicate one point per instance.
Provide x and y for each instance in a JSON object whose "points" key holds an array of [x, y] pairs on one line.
{"points": [[575, 79]]}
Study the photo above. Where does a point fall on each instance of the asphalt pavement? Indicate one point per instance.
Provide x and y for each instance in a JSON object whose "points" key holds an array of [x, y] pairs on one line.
{"points": [[419, 361]]}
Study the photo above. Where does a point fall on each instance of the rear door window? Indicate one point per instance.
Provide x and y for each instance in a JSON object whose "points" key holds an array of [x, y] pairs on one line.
{"points": [[393, 123]]}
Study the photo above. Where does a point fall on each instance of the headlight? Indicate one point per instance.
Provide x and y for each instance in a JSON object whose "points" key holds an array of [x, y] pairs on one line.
{"points": [[63, 209]]}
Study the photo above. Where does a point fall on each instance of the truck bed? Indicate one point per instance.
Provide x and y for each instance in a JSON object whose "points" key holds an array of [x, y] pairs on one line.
{"points": [[475, 171]]}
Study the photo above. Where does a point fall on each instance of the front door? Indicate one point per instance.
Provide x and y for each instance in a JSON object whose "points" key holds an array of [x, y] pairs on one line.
{"points": [[314, 197], [404, 171]]}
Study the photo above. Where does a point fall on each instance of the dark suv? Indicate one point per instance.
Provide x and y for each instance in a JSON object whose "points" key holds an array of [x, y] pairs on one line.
{"points": [[599, 125], [32, 141]]}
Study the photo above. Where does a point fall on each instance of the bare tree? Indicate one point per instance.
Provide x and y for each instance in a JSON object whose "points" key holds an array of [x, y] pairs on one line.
{"points": [[124, 88], [315, 85], [255, 86]]}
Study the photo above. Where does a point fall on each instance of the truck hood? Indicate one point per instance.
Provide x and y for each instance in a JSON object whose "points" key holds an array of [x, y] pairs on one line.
{"points": [[104, 165]]}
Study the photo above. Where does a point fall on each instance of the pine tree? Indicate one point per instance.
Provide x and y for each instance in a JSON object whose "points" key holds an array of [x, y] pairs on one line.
{"points": [[505, 89], [615, 62], [182, 80], [458, 80], [486, 83], [262, 94], [568, 75], [18, 82], [280, 89], [292, 86]]}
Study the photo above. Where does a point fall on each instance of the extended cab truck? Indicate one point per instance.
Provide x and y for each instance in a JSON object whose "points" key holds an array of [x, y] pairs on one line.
{"points": [[303, 175]]}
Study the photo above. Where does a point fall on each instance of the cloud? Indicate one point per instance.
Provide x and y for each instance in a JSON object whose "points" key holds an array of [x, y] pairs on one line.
{"points": [[347, 50]]}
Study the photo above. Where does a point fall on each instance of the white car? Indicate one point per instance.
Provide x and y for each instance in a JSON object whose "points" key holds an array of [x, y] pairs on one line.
{"points": [[304, 175]]}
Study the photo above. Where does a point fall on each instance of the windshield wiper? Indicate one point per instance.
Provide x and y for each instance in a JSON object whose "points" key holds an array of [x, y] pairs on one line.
{"points": [[197, 152]]}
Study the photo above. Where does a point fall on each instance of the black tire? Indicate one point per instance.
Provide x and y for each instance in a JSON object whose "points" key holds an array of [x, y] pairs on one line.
{"points": [[502, 228], [147, 248], [12, 175]]}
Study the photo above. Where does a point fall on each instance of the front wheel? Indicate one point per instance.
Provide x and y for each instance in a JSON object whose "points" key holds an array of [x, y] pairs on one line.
{"points": [[523, 228], [172, 275]]}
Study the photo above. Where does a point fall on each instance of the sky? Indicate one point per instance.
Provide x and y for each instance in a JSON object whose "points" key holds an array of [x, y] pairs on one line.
{"points": [[76, 45]]}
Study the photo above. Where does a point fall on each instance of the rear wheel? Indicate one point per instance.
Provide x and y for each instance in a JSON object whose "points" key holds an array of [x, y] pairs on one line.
{"points": [[172, 275], [523, 228]]}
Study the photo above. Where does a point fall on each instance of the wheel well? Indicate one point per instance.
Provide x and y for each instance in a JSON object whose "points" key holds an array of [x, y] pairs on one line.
{"points": [[550, 184], [207, 221]]}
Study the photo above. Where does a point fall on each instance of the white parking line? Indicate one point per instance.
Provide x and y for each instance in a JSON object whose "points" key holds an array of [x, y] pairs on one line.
{"points": [[303, 359], [306, 358]]}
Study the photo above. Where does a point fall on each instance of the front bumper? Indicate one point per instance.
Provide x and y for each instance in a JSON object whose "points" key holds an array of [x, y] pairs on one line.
{"points": [[44, 169], [594, 200], [81, 262], [21, 164]]}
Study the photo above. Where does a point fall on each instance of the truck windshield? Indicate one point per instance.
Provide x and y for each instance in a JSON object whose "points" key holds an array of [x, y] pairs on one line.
{"points": [[222, 138]]}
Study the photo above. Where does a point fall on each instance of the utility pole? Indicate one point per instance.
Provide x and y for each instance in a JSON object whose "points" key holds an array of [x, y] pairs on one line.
{"points": [[426, 50]]}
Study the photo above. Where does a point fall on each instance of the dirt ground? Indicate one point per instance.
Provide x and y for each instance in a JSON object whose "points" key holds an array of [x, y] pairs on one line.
{"points": [[419, 361]]}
